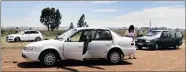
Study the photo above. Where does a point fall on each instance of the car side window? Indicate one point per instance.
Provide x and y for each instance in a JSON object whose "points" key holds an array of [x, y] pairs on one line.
{"points": [[93, 34], [164, 34], [86, 34], [27, 32], [103, 35], [34, 32], [76, 37]]}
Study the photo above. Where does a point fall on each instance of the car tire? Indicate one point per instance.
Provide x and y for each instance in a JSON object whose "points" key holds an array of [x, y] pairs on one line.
{"points": [[140, 47], [176, 47], [48, 58], [16, 39], [37, 39], [115, 57], [155, 46]]}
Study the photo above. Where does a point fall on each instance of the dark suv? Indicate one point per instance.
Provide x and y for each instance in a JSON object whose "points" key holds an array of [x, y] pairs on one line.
{"points": [[158, 39]]}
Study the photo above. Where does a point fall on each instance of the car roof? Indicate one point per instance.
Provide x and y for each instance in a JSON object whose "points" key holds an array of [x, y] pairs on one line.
{"points": [[160, 30], [81, 28], [29, 30]]}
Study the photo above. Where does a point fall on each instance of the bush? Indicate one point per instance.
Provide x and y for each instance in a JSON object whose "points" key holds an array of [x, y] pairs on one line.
{"points": [[5, 32]]}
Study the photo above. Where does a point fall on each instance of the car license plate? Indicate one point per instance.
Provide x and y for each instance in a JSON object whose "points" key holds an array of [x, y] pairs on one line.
{"points": [[140, 44]]}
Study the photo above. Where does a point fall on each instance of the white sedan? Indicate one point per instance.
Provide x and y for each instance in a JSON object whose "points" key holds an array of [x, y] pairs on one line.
{"points": [[81, 44], [26, 35]]}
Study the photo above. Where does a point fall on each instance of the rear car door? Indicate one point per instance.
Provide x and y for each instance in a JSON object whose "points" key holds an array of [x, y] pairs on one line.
{"points": [[171, 39], [33, 35], [101, 41]]}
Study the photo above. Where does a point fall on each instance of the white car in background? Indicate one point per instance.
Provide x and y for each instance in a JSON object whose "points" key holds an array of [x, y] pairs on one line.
{"points": [[81, 44], [26, 35]]}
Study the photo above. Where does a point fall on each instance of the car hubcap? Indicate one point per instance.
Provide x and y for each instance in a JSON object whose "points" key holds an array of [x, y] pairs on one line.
{"points": [[49, 59], [17, 39], [38, 39], [115, 57]]}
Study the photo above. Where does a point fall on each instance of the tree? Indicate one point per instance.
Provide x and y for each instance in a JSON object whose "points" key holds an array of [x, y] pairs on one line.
{"points": [[51, 18], [81, 21], [85, 24], [71, 26]]}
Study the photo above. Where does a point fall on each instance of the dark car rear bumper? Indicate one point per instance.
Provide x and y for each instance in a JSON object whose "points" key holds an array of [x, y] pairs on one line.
{"points": [[144, 44]]}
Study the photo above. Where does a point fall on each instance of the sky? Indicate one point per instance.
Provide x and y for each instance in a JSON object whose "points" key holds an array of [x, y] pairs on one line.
{"points": [[169, 14]]}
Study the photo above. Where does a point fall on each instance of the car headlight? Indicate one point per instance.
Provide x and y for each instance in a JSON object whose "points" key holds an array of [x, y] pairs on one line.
{"points": [[11, 36], [147, 40], [30, 48]]}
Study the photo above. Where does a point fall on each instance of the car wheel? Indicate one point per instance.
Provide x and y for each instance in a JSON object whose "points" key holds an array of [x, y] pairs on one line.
{"points": [[154, 47], [139, 47], [48, 59], [38, 39], [176, 47], [17, 39], [114, 57]]}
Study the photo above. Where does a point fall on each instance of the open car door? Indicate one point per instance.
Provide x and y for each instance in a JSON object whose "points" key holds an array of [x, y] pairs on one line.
{"points": [[179, 38], [75, 45]]}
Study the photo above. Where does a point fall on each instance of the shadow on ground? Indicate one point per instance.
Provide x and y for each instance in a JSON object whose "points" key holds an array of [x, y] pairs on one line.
{"points": [[71, 63], [163, 49]]}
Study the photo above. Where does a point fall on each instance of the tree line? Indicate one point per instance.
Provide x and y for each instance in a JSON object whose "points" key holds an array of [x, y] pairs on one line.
{"points": [[51, 18]]}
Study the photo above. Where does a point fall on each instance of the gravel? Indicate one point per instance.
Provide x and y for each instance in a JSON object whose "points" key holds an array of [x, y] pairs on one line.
{"points": [[147, 60]]}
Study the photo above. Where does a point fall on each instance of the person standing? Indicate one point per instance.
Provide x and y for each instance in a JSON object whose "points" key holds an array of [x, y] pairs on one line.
{"points": [[17, 30], [131, 33]]}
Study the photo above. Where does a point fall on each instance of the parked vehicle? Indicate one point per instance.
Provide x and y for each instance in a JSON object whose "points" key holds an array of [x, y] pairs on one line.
{"points": [[81, 44], [26, 35], [159, 39]]}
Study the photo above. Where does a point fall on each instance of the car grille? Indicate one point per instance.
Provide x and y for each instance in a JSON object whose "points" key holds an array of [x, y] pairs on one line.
{"points": [[141, 40]]}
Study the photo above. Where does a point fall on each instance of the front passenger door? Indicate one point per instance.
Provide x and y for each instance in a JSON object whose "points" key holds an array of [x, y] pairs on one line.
{"points": [[164, 41], [25, 36], [73, 49]]}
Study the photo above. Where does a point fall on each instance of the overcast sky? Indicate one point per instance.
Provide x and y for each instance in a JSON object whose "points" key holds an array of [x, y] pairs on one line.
{"points": [[97, 13]]}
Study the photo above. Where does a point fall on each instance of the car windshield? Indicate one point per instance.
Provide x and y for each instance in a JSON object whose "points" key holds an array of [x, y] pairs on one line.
{"points": [[66, 34], [153, 33]]}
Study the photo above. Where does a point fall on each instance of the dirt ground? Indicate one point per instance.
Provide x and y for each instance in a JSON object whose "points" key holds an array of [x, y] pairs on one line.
{"points": [[147, 60]]}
